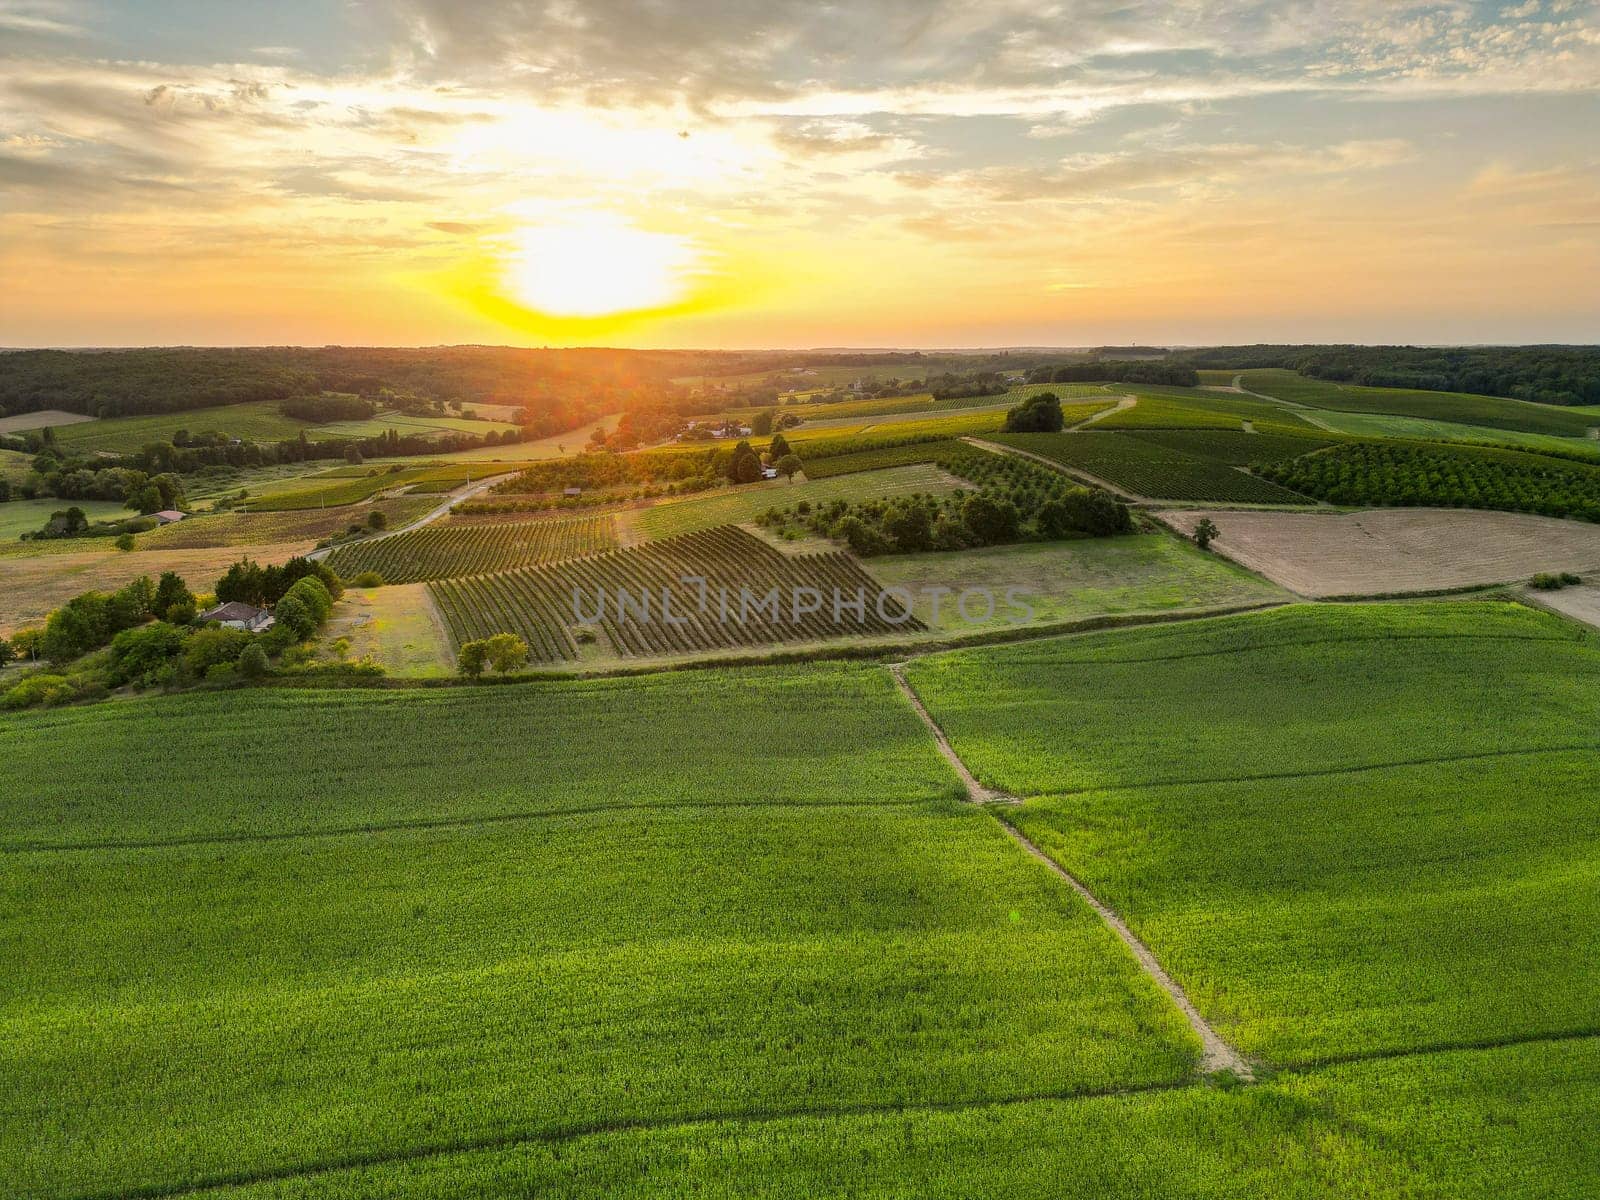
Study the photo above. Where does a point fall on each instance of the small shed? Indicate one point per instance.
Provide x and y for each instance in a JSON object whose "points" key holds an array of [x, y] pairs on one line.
{"points": [[572, 491], [168, 515]]}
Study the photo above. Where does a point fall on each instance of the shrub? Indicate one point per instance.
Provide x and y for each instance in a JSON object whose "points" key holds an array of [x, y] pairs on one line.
{"points": [[210, 647], [253, 662], [377, 520], [146, 655], [124, 542], [368, 579], [293, 615], [1205, 533], [1547, 582], [472, 658]]}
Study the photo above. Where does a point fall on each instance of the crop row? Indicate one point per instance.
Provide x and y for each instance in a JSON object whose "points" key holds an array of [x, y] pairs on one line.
{"points": [[1388, 473], [874, 460], [1147, 469], [711, 590], [441, 551], [1234, 448]]}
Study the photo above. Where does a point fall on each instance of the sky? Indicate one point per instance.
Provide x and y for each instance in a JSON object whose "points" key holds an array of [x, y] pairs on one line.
{"points": [[740, 174]]}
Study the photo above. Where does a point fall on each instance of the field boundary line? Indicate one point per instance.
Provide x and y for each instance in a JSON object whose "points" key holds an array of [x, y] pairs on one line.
{"points": [[1318, 773], [450, 501], [572, 1133], [1216, 1054], [426, 823]]}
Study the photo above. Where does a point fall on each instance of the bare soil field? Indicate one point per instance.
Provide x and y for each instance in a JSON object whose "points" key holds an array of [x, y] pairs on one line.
{"points": [[1579, 603], [32, 585], [1397, 549], [39, 420]]}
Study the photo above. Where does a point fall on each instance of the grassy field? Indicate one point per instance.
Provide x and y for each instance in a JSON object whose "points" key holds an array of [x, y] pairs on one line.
{"points": [[1145, 468], [1068, 581], [41, 576], [1384, 425], [40, 419], [1234, 449], [701, 942], [310, 525], [18, 517], [735, 505], [877, 460], [395, 626], [1457, 407], [1483, 1124], [257, 421], [1346, 830], [406, 423], [1180, 408]]}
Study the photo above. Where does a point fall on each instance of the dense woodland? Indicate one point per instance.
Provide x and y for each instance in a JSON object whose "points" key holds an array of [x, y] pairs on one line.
{"points": [[1547, 374]]}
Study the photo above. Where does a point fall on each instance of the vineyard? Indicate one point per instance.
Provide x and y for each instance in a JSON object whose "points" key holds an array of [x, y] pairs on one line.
{"points": [[1147, 469], [1177, 409], [441, 551], [1235, 449], [621, 594], [1387, 473], [877, 460]]}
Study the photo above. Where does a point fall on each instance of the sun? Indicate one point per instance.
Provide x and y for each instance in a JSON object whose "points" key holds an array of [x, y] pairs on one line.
{"points": [[597, 266]]}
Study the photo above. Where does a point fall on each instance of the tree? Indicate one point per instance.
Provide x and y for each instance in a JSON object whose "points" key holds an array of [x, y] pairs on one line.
{"points": [[376, 520], [761, 424], [1036, 414], [7, 652], [5, 490], [147, 499], [145, 655], [991, 521], [746, 467], [506, 652], [789, 466], [170, 591], [124, 542], [253, 662], [779, 447], [352, 454], [292, 614], [1205, 533], [472, 658]]}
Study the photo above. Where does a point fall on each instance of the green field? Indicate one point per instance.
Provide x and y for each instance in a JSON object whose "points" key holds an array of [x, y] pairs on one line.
{"points": [[1383, 425], [728, 932], [1235, 449], [18, 517], [256, 421], [737, 505], [407, 423], [646, 949], [1180, 408], [1457, 407], [1145, 468], [1345, 830], [1072, 581]]}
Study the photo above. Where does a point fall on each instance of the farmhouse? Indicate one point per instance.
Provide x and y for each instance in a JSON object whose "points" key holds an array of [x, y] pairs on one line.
{"points": [[168, 515], [235, 614]]}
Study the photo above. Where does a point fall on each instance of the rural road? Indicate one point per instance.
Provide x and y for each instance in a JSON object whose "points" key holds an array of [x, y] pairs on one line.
{"points": [[466, 492]]}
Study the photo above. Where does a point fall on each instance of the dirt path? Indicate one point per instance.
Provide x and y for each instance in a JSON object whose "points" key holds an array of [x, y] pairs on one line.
{"points": [[1081, 476], [1216, 1055], [451, 499], [976, 792], [1123, 403]]}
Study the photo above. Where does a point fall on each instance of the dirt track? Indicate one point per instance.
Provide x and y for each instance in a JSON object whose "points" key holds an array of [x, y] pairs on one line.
{"points": [[1398, 549]]}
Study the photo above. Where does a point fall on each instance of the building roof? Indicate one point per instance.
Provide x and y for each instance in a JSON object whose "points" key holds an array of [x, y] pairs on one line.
{"points": [[169, 514], [233, 610]]}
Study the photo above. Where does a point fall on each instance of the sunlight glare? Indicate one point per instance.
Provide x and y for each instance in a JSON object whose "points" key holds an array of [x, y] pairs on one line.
{"points": [[597, 266]]}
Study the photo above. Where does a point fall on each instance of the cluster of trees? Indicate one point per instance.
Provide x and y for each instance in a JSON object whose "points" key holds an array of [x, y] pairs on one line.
{"points": [[250, 583], [1016, 501], [958, 387], [147, 634], [1546, 374], [1036, 414], [1138, 370], [1390, 473], [505, 652], [325, 408]]}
